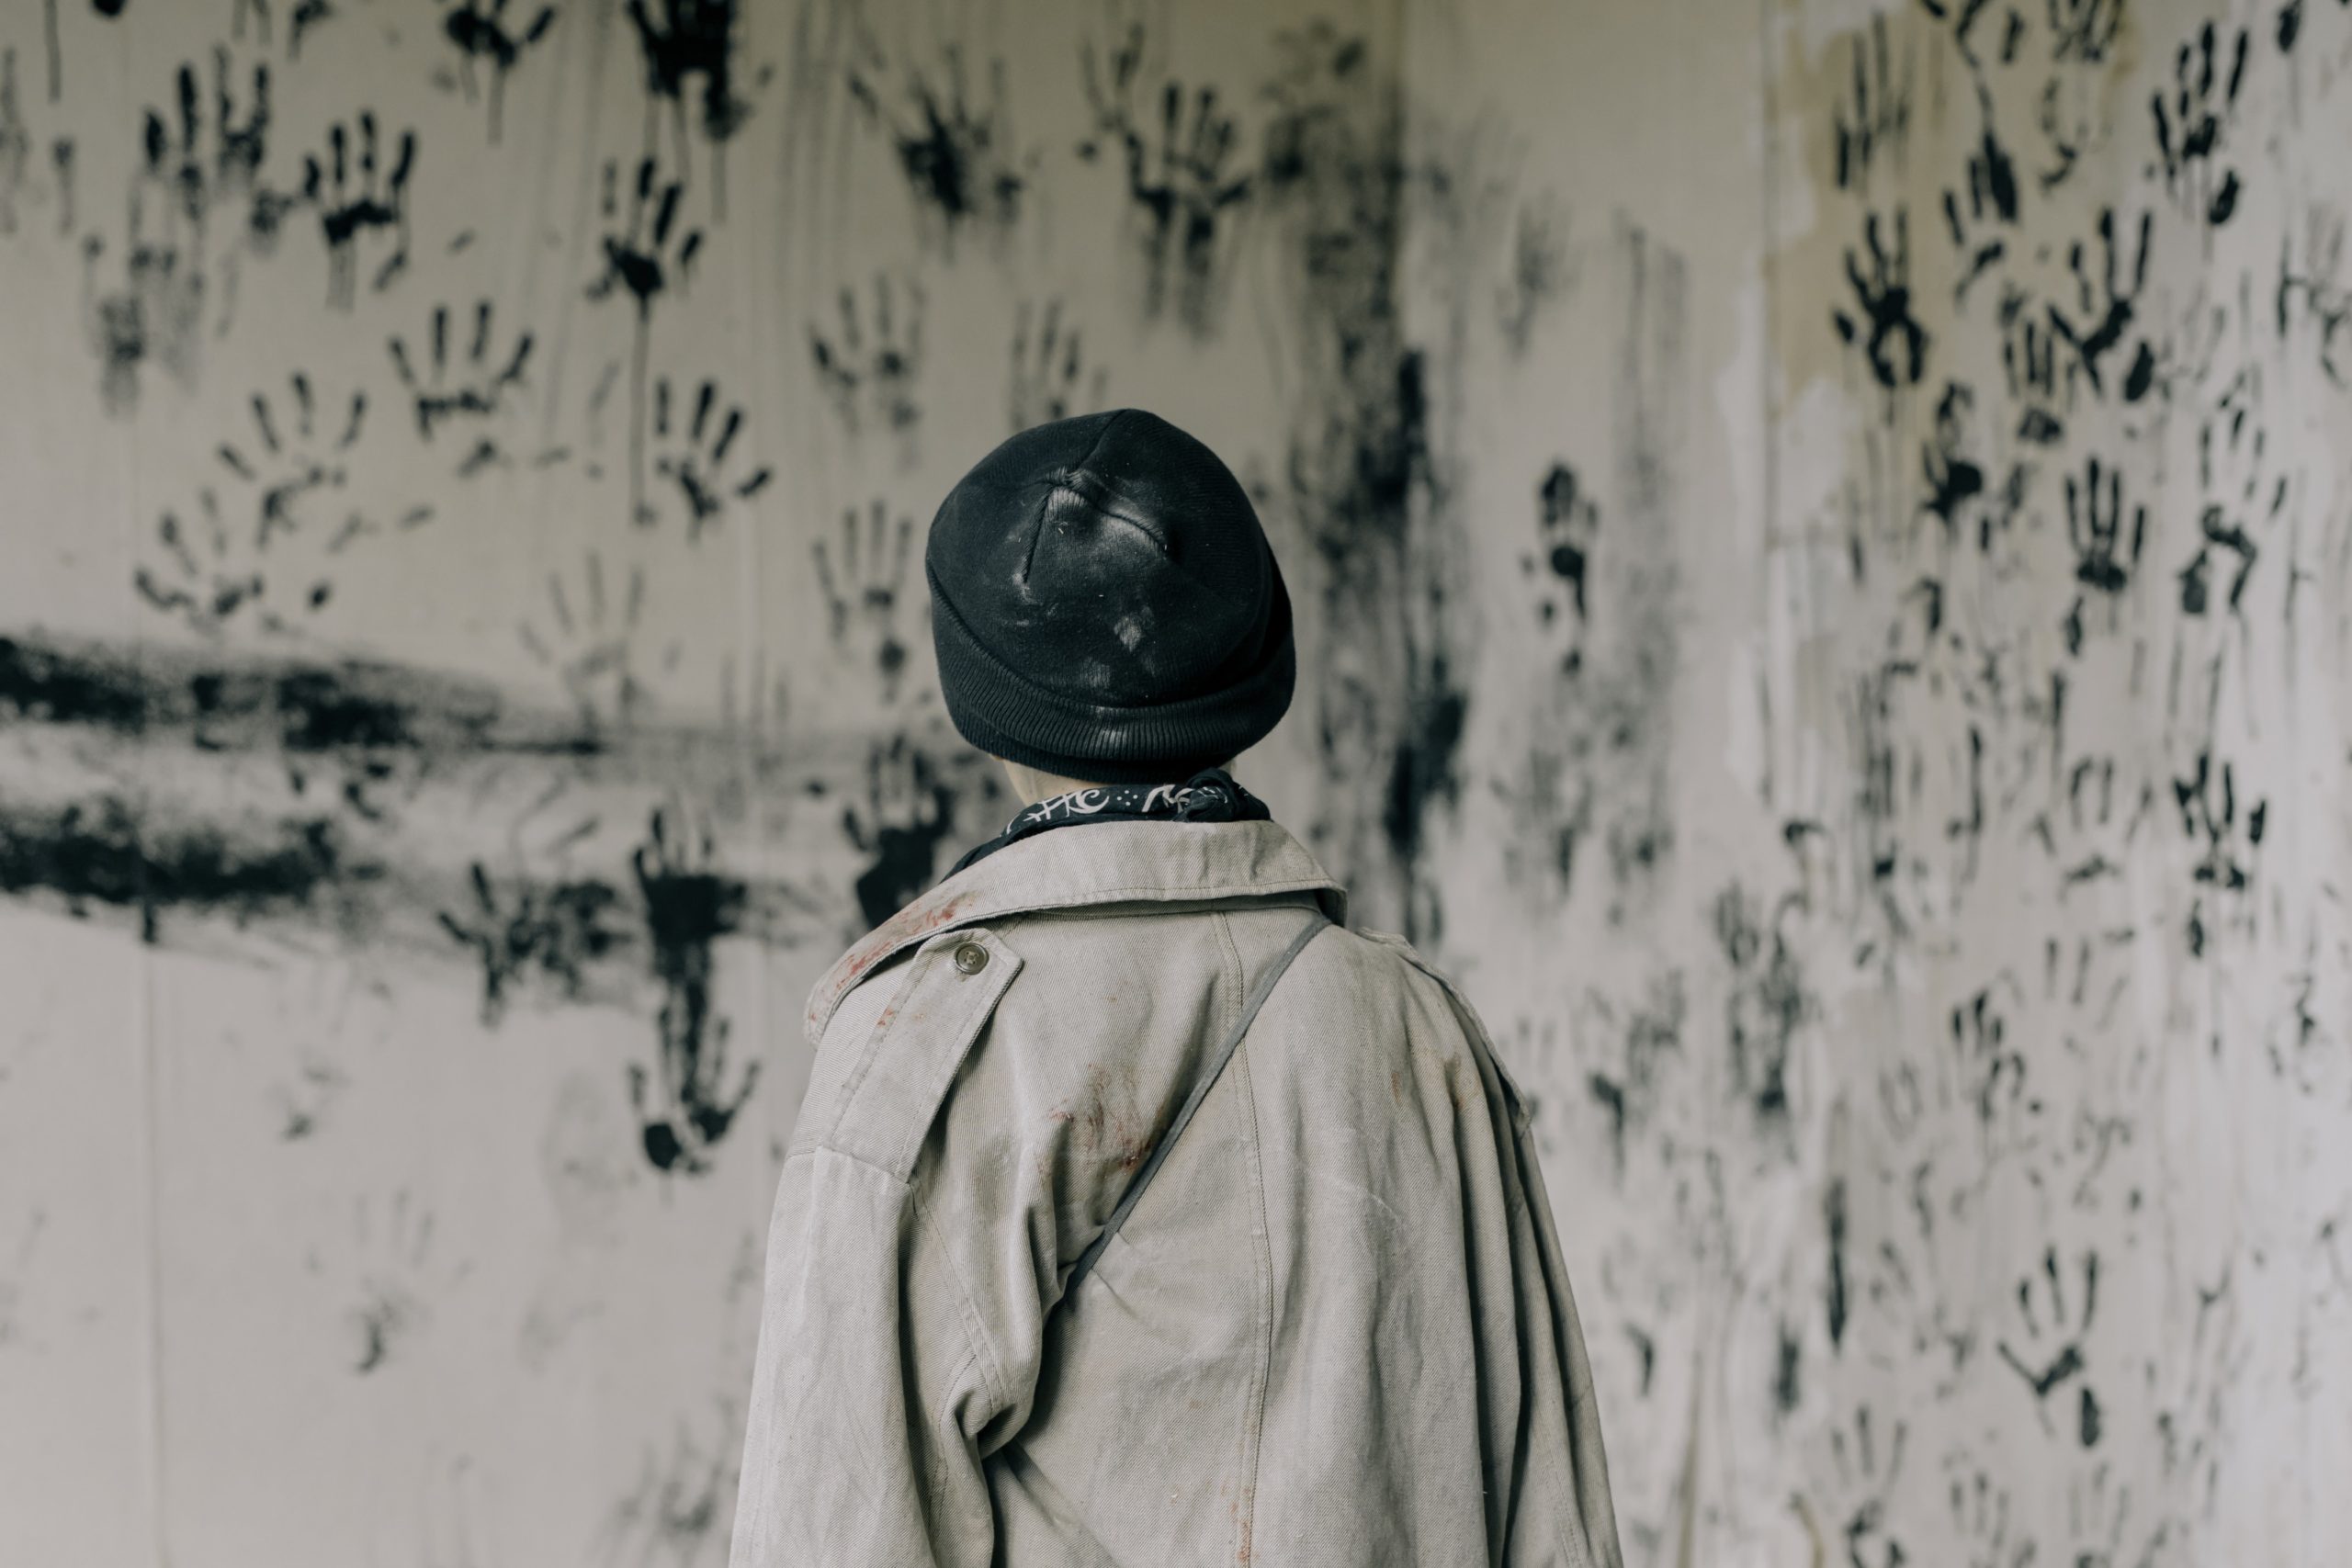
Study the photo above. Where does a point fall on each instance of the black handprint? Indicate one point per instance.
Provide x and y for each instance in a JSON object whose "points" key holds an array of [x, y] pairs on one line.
{"points": [[285, 468], [219, 575], [218, 569], [689, 904], [642, 253], [955, 151], [2189, 134], [681, 39], [2209, 816], [2107, 302], [2105, 555], [557, 928], [2084, 29], [2052, 1369], [874, 381], [678, 1512], [909, 809], [1181, 180], [1863, 1480], [2234, 497], [697, 464], [1964, 15], [474, 395], [306, 15], [1992, 199], [1954, 478], [1875, 121], [1567, 526], [638, 258], [1896, 344], [16, 143], [156, 313], [2030, 364], [592, 647], [199, 179], [1542, 269], [1980, 1518], [354, 198], [2326, 299], [478, 29], [862, 593], [1049, 380]]}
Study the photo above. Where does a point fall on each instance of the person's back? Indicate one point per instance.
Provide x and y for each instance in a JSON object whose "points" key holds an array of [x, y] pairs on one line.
{"points": [[1334, 1328]]}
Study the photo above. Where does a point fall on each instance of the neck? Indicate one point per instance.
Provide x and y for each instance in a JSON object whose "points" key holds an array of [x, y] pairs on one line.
{"points": [[1032, 785]]}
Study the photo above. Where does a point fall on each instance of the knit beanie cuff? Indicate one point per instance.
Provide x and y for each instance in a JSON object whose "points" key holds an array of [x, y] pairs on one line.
{"points": [[1009, 715]]}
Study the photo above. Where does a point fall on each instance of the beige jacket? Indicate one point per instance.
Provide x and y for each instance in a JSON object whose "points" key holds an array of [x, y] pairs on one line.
{"points": [[1336, 1329]]}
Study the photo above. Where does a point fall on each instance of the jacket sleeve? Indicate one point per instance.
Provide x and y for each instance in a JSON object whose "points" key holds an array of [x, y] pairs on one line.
{"points": [[874, 1382]]}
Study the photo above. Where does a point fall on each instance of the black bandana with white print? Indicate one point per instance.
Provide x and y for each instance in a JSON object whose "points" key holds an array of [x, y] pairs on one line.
{"points": [[1209, 796]]}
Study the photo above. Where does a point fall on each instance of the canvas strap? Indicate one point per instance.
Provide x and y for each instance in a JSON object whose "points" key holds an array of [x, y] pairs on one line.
{"points": [[1232, 1041]]}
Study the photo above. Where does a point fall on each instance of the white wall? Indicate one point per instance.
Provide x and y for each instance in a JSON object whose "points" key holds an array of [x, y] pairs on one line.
{"points": [[1916, 917]]}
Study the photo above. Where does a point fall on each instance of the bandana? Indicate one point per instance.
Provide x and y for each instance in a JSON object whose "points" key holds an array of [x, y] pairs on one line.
{"points": [[1209, 796]]}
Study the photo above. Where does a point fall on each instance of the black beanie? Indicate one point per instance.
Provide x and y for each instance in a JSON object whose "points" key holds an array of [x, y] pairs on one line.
{"points": [[1105, 606]]}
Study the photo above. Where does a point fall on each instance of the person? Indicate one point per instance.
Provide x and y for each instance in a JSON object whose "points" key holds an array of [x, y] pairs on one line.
{"points": [[1139, 1210]]}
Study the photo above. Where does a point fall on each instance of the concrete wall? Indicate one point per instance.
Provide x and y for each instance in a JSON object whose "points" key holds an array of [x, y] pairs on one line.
{"points": [[1820, 533]]}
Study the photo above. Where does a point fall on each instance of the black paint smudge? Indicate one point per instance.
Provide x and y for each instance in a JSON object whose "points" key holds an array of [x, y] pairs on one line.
{"points": [[1567, 528], [1392, 700], [1539, 273], [1954, 480], [689, 904], [1833, 1222], [16, 143], [1769, 1003], [298, 708], [108, 851], [1787, 1386], [1629, 1097]]}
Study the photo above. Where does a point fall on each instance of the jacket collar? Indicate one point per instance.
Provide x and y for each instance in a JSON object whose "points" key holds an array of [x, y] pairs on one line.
{"points": [[1101, 863]]}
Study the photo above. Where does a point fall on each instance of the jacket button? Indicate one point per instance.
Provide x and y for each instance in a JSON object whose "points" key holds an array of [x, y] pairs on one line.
{"points": [[971, 958]]}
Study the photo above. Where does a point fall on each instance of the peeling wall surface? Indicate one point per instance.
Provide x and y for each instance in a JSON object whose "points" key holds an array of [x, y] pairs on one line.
{"points": [[1820, 532]]}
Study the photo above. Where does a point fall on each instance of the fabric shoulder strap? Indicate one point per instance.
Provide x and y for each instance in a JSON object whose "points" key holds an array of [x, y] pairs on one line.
{"points": [[1232, 1041]]}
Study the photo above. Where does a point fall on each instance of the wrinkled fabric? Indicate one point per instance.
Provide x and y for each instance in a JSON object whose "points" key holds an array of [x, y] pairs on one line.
{"points": [[1337, 1328]]}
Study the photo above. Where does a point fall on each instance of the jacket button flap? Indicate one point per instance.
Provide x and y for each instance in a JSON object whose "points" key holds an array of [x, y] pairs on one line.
{"points": [[917, 1046]]}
